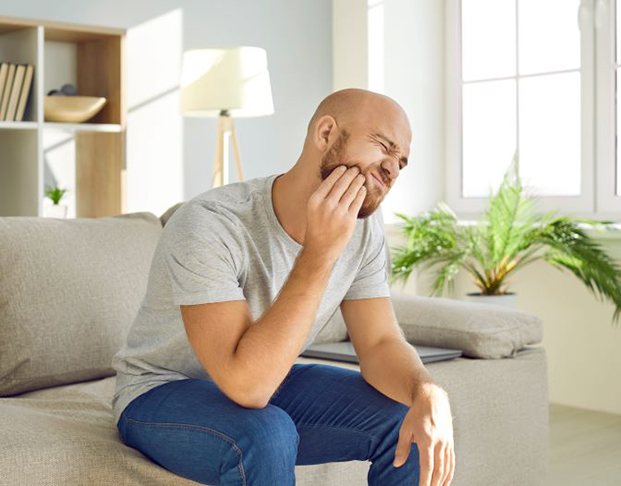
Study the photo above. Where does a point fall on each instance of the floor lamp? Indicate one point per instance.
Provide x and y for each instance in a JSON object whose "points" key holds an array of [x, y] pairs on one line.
{"points": [[226, 83]]}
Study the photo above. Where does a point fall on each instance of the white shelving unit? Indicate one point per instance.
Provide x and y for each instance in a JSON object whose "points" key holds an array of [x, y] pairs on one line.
{"points": [[91, 58]]}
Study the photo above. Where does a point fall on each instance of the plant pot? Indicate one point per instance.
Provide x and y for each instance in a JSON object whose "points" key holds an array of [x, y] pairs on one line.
{"points": [[56, 211], [508, 299]]}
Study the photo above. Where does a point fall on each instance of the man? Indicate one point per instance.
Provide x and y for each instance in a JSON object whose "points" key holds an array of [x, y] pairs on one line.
{"points": [[243, 278]]}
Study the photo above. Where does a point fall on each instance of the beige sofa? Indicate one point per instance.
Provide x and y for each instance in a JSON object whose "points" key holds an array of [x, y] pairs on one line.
{"points": [[70, 288]]}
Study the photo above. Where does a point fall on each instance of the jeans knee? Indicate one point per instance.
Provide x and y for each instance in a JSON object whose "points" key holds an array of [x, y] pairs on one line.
{"points": [[389, 425], [394, 413], [271, 431], [275, 425], [265, 448], [391, 419], [400, 411]]}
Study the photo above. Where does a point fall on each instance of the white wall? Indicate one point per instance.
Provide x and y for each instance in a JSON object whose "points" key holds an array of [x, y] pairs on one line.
{"points": [[169, 157], [414, 76], [349, 44], [412, 66]]}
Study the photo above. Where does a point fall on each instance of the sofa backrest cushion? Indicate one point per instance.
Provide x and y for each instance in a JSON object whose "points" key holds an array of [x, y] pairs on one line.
{"points": [[169, 212], [69, 291]]}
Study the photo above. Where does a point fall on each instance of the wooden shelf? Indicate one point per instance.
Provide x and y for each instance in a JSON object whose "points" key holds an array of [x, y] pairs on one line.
{"points": [[92, 154]]}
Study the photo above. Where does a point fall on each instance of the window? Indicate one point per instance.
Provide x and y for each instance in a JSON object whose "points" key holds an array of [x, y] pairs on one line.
{"points": [[539, 77]]}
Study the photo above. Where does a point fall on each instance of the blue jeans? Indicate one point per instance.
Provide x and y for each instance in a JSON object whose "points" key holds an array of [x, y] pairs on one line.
{"points": [[320, 413]]}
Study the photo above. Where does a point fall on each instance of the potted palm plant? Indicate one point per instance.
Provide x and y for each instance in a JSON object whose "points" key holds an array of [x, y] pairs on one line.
{"points": [[509, 236]]}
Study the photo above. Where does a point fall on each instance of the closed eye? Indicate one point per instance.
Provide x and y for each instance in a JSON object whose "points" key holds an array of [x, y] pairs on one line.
{"points": [[385, 148], [394, 150]]}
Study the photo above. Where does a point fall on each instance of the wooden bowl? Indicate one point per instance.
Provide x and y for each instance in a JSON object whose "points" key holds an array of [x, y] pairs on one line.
{"points": [[73, 109]]}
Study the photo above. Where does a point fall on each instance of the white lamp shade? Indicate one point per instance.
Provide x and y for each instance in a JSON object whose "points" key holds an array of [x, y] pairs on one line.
{"points": [[235, 79]]}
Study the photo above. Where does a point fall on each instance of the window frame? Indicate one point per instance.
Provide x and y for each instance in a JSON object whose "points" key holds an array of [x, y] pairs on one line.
{"points": [[582, 205], [608, 201]]}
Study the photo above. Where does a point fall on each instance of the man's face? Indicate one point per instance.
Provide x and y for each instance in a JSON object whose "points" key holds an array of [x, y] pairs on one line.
{"points": [[369, 153]]}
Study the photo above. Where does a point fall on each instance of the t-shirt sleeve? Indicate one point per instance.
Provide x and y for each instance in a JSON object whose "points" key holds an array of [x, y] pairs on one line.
{"points": [[202, 259], [372, 277]]}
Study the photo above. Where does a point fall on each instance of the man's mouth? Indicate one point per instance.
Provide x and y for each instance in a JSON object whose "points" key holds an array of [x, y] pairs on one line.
{"points": [[379, 182]]}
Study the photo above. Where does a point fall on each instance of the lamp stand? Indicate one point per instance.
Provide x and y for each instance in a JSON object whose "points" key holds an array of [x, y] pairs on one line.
{"points": [[226, 131]]}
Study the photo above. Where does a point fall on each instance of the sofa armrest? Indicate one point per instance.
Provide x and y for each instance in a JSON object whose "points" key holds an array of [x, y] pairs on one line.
{"points": [[478, 330]]}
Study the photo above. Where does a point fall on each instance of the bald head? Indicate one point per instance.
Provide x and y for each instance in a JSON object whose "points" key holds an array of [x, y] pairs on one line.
{"points": [[353, 104]]}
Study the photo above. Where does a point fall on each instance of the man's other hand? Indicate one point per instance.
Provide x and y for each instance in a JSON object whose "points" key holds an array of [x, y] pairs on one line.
{"points": [[429, 423]]}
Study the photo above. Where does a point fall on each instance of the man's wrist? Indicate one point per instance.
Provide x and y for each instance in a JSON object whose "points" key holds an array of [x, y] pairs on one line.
{"points": [[427, 389], [317, 258]]}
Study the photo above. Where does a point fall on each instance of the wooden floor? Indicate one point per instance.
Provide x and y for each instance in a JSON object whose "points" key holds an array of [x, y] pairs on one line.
{"points": [[585, 448]]}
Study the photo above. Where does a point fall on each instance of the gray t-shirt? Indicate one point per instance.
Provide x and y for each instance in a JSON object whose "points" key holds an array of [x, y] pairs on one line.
{"points": [[227, 244]]}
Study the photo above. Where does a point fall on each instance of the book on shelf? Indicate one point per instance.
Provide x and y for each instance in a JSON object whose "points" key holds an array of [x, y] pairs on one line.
{"points": [[16, 89], [4, 103], [4, 71], [24, 95]]}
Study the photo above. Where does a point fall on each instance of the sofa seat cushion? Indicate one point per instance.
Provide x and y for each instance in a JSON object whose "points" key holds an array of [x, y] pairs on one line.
{"points": [[66, 435], [69, 292]]}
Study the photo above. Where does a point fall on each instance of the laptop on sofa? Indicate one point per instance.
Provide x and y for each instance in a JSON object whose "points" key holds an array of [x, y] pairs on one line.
{"points": [[344, 351]]}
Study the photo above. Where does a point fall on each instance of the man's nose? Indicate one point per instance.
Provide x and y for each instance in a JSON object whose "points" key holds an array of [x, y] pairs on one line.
{"points": [[391, 168]]}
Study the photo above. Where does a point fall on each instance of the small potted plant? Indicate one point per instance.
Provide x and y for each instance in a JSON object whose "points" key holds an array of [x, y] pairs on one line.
{"points": [[55, 194], [509, 236]]}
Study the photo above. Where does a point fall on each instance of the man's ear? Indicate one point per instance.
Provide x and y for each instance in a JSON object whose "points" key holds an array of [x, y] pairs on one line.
{"points": [[325, 129]]}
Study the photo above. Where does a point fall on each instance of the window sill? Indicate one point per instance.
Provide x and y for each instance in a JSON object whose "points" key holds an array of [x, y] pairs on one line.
{"points": [[612, 232]]}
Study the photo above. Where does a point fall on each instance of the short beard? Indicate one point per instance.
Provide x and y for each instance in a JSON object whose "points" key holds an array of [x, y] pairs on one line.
{"points": [[334, 157]]}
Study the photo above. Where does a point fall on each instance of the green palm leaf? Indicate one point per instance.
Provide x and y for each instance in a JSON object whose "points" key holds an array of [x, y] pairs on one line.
{"points": [[428, 236], [509, 217], [572, 249], [509, 236]]}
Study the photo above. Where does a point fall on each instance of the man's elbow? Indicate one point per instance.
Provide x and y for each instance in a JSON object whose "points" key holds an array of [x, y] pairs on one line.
{"points": [[246, 396], [249, 401], [243, 382]]}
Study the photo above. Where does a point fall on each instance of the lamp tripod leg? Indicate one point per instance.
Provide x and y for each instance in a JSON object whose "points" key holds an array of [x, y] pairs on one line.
{"points": [[218, 162], [238, 165]]}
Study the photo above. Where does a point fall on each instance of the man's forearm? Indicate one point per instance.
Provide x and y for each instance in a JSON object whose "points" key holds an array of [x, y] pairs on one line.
{"points": [[395, 369], [269, 347]]}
